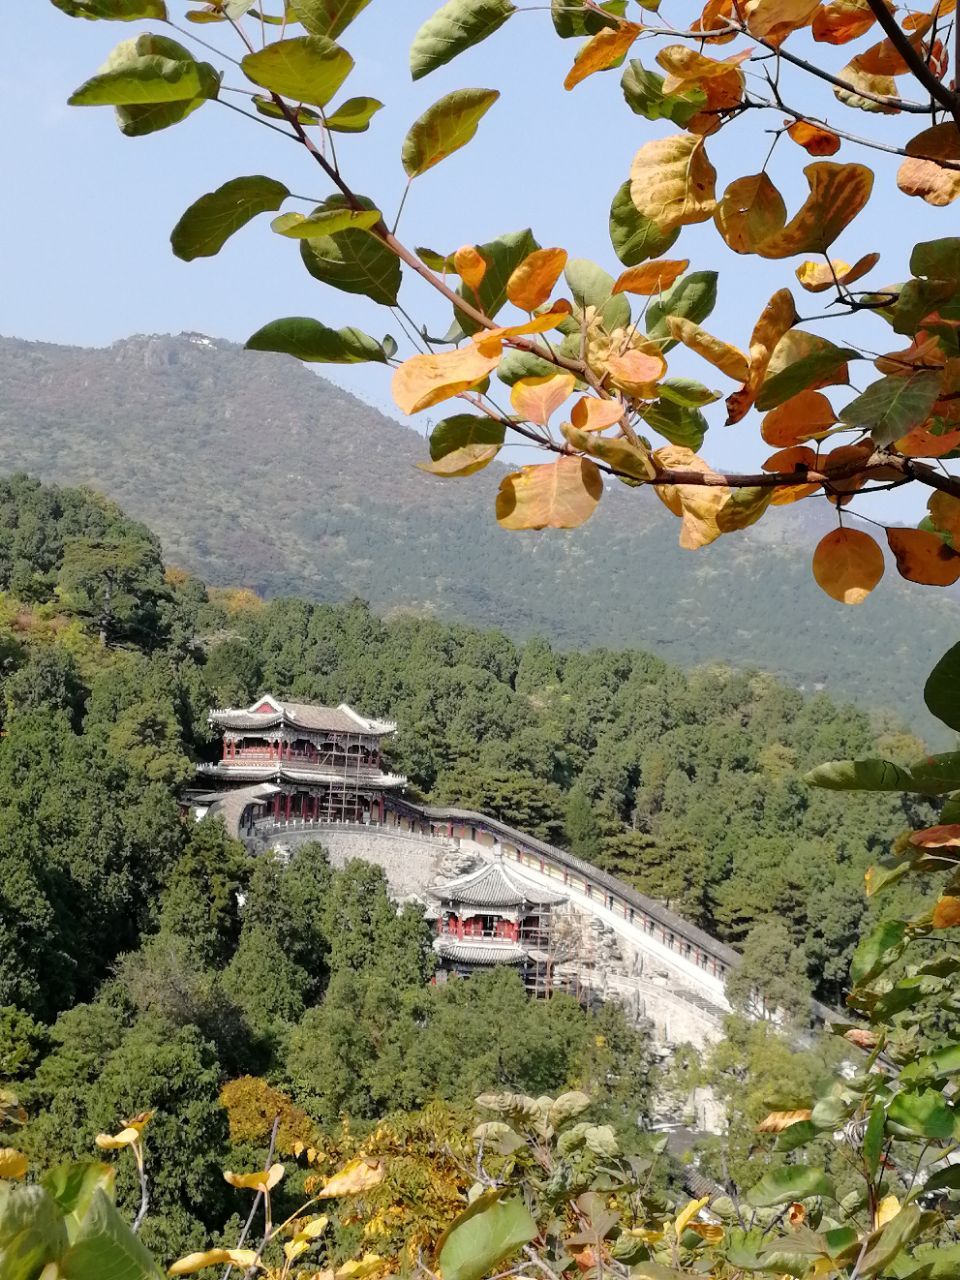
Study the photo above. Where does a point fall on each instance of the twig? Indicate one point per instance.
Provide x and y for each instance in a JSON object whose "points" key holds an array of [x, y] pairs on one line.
{"points": [[914, 60], [256, 1199]]}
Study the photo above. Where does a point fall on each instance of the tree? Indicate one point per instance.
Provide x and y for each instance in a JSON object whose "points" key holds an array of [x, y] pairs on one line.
{"points": [[597, 351], [771, 980], [117, 584], [583, 829]]}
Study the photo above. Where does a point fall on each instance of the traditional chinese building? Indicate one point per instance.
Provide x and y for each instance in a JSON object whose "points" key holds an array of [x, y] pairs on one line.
{"points": [[300, 762], [494, 916]]}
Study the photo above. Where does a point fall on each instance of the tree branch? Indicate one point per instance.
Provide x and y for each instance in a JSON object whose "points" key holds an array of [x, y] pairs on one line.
{"points": [[914, 60]]}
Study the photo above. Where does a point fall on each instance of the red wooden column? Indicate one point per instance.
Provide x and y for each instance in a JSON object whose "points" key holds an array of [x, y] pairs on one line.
{"points": [[289, 806]]}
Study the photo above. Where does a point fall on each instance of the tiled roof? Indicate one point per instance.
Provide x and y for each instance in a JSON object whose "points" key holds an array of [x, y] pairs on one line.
{"points": [[230, 805], [364, 779], [495, 885], [302, 715], [492, 952]]}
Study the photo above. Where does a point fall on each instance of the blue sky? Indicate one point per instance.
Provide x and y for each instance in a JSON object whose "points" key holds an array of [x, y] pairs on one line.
{"points": [[87, 214]]}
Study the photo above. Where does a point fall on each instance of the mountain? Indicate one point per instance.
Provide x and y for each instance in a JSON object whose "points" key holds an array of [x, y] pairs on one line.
{"points": [[257, 472]]}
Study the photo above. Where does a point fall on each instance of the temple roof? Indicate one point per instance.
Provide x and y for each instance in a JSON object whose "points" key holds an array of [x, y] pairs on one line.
{"points": [[489, 952], [268, 711], [495, 885], [281, 771], [230, 805]]}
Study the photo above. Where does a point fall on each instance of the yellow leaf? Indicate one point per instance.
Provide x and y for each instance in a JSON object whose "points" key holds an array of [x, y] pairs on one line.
{"points": [[357, 1176], [262, 1180], [650, 277], [531, 284], [837, 194], [603, 50], [728, 359], [847, 565], [214, 1258], [843, 21], [861, 82], [13, 1163], [592, 414], [945, 513], [465, 461], [815, 139], [637, 372], [946, 913], [924, 557], [314, 1228], [774, 20], [113, 1142], [360, 1267], [884, 59], [775, 320], [750, 211], [922, 176], [721, 81], [673, 183], [688, 1214], [537, 398], [716, 15], [887, 1210], [699, 505], [425, 380], [625, 458], [558, 495], [471, 266], [777, 1121], [487, 339], [711, 1232], [818, 276]]}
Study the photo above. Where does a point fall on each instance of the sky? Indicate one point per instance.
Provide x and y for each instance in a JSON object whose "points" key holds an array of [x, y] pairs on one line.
{"points": [[86, 213]]}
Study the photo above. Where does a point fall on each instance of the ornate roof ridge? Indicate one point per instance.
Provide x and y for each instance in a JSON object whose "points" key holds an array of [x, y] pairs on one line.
{"points": [[495, 884]]}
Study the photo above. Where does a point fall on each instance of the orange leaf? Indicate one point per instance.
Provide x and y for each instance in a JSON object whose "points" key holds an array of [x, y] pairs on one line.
{"points": [[946, 913], [883, 59], [777, 1121], [776, 319], [923, 443], [721, 81], [837, 194], [425, 380], [946, 836], [532, 282], [537, 398], [556, 495], [923, 557], [728, 359], [844, 487], [774, 20], [814, 138], [847, 565], [816, 277], [804, 416], [945, 513], [715, 15], [843, 21], [924, 354], [591, 414], [603, 50], [750, 211], [924, 177], [791, 459], [862, 1038], [637, 372], [651, 277], [797, 1214], [471, 266], [490, 338]]}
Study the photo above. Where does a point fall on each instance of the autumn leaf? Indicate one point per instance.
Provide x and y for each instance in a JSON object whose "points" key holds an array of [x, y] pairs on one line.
{"points": [[244, 1258], [698, 505], [445, 127], [114, 1142], [816, 277], [716, 14], [945, 836], [922, 176], [775, 320], [720, 81], [262, 1180], [884, 59], [13, 1163], [815, 139], [862, 82], [650, 277], [625, 458], [838, 192], [487, 340], [673, 183], [777, 1121], [427, 379], [470, 266], [842, 21], [537, 398], [795, 458], [921, 442], [944, 511], [924, 557], [687, 1215], [532, 282], [637, 372], [606, 49], [592, 414], [357, 1176], [800, 361], [728, 359], [774, 20], [847, 565], [946, 914], [805, 416], [558, 495], [462, 445], [750, 211]]}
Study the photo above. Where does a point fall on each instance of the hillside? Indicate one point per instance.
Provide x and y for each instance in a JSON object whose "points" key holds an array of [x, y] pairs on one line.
{"points": [[253, 470]]}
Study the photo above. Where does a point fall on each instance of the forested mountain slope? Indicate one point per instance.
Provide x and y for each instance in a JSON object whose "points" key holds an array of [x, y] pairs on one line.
{"points": [[254, 471]]}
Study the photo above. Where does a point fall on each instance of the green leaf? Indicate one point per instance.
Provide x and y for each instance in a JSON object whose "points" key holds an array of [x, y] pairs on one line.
{"points": [[32, 1232], [643, 91], [781, 1186], [809, 371], [304, 69], [890, 407], [676, 423], [267, 107], [210, 221], [933, 1066], [137, 122], [502, 257], [693, 297], [687, 392], [145, 71], [571, 18], [873, 1138], [461, 430], [457, 26], [634, 464], [523, 364], [105, 1246], [877, 951], [932, 777], [941, 693], [924, 1114], [444, 128], [636, 238], [947, 1179], [354, 261], [797, 1135], [308, 339], [937, 259], [479, 1241], [72, 1186], [354, 115], [327, 17], [117, 10], [898, 1232], [591, 286], [443, 264], [324, 222]]}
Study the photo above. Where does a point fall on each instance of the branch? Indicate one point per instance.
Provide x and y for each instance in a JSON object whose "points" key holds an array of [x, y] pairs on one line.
{"points": [[914, 60], [256, 1199], [144, 1189]]}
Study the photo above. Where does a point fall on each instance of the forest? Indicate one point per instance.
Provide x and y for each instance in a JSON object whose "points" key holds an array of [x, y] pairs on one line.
{"points": [[131, 978]]}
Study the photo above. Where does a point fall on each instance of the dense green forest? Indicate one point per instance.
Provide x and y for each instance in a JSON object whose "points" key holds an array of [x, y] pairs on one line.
{"points": [[131, 977], [254, 471]]}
